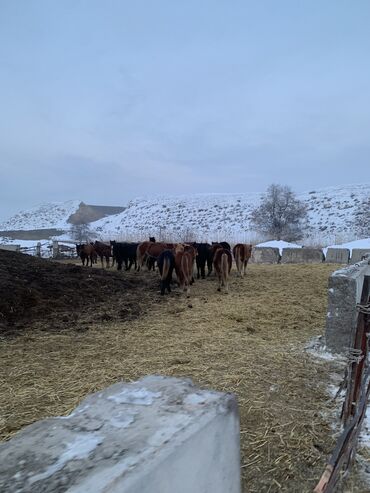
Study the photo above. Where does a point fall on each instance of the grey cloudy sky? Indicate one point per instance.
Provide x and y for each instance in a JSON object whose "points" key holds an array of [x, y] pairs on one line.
{"points": [[106, 100]]}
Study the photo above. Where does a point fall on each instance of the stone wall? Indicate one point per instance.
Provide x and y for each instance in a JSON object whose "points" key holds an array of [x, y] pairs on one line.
{"points": [[157, 435]]}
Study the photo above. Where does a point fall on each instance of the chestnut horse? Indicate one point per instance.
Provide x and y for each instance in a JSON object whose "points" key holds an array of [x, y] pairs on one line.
{"points": [[86, 252], [242, 253], [184, 268], [103, 250], [222, 262]]}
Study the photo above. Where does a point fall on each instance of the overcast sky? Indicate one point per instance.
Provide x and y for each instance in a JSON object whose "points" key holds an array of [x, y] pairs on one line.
{"points": [[106, 100]]}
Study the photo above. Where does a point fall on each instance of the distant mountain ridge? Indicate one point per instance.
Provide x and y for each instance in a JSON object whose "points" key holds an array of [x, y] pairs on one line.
{"points": [[205, 216]]}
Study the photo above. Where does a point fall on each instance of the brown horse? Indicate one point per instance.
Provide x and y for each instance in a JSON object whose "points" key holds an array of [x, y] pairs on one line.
{"points": [[183, 268], [141, 252], [87, 253], [103, 250], [222, 262], [192, 250], [242, 253]]}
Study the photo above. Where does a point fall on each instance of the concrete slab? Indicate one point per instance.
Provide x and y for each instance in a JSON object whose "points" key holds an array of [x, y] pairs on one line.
{"points": [[10, 248], [358, 253], [345, 289], [265, 255], [157, 435], [337, 256], [302, 256]]}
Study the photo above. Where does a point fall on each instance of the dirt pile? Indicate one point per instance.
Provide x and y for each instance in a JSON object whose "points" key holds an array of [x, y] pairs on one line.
{"points": [[56, 296]]}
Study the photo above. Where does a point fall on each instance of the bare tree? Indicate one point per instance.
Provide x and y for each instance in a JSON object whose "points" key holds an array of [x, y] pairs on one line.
{"points": [[82, 232], [280, 215], [362, 218]]}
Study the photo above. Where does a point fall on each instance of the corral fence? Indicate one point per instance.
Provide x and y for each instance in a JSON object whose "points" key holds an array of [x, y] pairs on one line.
{"points": [[65, 249], [349, 287], [30, 250]]}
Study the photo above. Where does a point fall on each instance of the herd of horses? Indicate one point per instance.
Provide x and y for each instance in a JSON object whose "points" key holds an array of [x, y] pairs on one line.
{"points": [[169, 257]]}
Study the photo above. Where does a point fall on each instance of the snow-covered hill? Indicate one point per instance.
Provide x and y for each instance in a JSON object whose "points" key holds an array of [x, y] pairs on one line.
{"points": [[204, 216], [218, 216], [52, 215]]}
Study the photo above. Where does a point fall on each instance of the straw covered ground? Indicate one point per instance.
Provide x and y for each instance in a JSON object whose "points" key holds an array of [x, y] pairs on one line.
{"points": [[250, 342]]}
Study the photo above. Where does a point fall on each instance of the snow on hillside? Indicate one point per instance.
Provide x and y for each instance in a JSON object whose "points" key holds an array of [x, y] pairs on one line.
{"points": [[219, 216], [205, 217], [331, 209], [52, 215]]}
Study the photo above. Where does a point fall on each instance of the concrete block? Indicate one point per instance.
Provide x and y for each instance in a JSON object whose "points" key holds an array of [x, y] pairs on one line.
{"points": [[157, 435], [302, 256], [345, 290], [337, 256], [11, 248], [265, 255], [358, 253]]}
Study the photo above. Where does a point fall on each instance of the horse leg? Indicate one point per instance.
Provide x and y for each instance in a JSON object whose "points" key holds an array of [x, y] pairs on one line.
{"points": [[219, 282], [226, 286], [187, 290]]}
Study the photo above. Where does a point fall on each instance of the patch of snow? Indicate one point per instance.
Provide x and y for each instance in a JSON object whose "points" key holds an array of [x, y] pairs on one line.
{"points": [[123, 419], [280, 244], [141, 397], [365, 432], [322, 354], [80, 448], [198, 399], [364, 243]]}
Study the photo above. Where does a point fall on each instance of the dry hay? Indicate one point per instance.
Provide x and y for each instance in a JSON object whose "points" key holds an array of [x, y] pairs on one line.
{"points": [[249, 342]]}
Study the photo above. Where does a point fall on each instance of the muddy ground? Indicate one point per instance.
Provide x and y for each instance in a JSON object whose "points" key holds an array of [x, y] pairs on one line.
{"points": [[251, 342], [56, 296]]}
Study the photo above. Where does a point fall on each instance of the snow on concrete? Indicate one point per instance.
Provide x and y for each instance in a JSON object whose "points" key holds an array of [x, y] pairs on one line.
{"points": [[80, 448], [142, 397], [164, 446], [363, 243], [280, 244]]}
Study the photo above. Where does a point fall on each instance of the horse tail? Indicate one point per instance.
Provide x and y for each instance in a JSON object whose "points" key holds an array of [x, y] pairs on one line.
{"points": [[185, 267], [139, 257], [166, 268], [238, 260], [224, 269]]}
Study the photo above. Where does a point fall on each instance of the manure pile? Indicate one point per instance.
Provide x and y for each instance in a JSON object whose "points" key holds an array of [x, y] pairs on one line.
{"points": [[54, 296]]}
